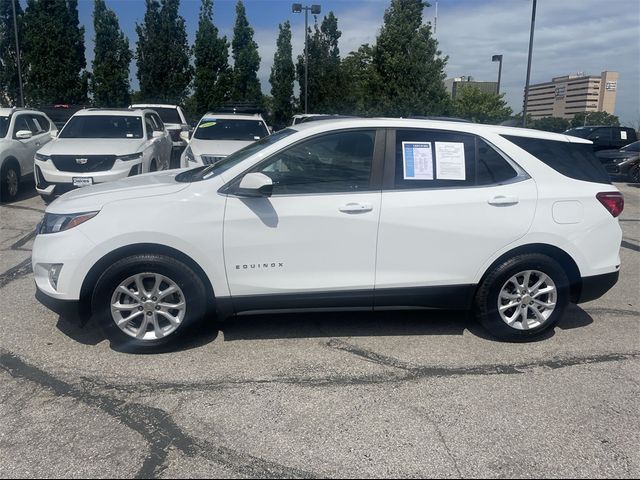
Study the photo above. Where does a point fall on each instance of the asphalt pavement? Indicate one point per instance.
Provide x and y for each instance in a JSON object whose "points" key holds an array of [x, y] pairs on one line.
{"points": [[392, 394]]}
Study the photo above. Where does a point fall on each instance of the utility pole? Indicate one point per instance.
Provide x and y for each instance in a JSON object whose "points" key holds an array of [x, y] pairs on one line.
{"points": [[315, 9], [15, 29], [526, 88]]}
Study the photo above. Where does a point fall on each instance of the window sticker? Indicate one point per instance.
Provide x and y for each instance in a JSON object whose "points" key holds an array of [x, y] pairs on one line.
{"points": [[208, 124], [450, 161], [418, 160], [623, 134]]}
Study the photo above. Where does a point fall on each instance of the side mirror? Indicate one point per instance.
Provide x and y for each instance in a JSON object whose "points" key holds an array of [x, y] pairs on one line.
{"points": [[24, 134], [185, 136], [157, 134], [255, 185], [54, 133]]}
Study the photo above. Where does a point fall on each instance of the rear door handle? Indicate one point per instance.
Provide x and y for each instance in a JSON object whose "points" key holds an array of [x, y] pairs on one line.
{"points": [[356, 208], [503, 201]]}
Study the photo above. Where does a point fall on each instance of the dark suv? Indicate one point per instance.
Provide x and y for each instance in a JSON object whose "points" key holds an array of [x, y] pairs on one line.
{"points": [[605, 137]]}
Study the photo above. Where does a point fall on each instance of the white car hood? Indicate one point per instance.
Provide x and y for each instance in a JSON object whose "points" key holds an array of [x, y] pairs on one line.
{"points": [[89, 199], [93, 146], [217, 147]]}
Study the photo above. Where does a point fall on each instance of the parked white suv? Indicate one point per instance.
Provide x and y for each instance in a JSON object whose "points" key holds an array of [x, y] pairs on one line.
{"points": [[218, 135], [102, 145], [22, 133], [175, 121], [368, 214]]}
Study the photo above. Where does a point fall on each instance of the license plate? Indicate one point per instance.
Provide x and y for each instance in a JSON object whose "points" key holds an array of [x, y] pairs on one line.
{"points": [[82, 181]]}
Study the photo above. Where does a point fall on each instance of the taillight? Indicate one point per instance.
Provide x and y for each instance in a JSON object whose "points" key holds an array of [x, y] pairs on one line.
{"points": [[612, 201]]}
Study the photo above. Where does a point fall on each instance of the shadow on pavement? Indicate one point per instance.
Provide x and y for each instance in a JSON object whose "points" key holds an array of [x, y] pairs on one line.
{"points": [[324, 325]]}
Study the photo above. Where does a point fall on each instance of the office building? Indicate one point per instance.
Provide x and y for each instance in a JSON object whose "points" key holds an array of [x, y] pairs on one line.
{"points": [[570, 94]]}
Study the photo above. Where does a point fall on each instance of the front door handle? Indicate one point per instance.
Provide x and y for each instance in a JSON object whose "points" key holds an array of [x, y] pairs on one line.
{"points": [[503, 201], [356, 208]]}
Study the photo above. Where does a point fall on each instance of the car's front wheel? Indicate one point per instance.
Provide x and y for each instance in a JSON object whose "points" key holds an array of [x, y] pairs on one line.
{"points": [[522, 297], [634, 174], [147, 301]]}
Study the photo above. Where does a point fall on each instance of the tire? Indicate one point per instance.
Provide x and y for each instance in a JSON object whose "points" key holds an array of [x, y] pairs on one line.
{"points": [[47, 199], [9, 181], [498, 284], [634, 174], [158, 330]]}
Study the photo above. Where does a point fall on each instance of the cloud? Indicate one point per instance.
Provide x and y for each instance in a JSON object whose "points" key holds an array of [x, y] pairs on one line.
{"points": [[570, 36]]}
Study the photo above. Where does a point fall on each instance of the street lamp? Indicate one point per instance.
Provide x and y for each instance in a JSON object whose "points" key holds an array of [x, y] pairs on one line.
{"points": [[315, 10], [498, 58], [526, 87], [15, 30]]}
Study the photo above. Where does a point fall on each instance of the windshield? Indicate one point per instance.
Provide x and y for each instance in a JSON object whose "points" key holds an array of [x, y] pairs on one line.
{"points": [[632, 147], [4, 125], [203, 173], [102, 126], [230, 129], [168, 115]]}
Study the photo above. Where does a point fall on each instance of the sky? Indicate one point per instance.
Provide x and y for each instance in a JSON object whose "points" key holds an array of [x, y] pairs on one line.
{"points": [[570, 36]]}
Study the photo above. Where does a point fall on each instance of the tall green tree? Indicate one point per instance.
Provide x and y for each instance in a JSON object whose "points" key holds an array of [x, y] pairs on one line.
{"points": [[481, 107], [9, 84], [326, 94], [357, 73], [409, 68], [54, 52], [112, 57], [246, 86], [212, 81], [594, 118], [162, 53], [282, 77]]}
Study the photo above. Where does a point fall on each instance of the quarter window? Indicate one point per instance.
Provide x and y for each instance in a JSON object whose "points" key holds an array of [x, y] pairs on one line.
{"points": [[338, 162]]}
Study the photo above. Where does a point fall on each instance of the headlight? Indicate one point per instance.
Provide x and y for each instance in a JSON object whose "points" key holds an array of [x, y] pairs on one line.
{"points": [[54, 223], [133, 156], [188, 153], [42, 158]]}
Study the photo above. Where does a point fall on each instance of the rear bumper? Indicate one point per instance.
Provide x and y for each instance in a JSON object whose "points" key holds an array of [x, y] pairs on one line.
{"points": [[596, 286]]}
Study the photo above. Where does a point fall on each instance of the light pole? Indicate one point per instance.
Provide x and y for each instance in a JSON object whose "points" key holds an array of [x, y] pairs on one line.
{"points": [[498, 58], [526, 87], [15, 29], [315, 9]]}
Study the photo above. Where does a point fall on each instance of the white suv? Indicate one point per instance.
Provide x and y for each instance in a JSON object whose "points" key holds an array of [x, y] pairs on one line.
{"points": [[22, 133], [102, 145], [366, 214], [218, 135]]}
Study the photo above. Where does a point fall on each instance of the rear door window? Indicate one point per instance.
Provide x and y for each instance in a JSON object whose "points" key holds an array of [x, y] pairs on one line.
{"points": [[573, 160], [433, 159]]}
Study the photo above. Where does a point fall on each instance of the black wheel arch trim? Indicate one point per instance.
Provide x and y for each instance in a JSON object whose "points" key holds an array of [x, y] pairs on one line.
{"points": [[563, 258], [101, 265]]}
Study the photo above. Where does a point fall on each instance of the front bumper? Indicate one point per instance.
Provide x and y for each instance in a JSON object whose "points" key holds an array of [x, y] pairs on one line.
{"points": [[71, 310], [52, 182], [596, 286]]}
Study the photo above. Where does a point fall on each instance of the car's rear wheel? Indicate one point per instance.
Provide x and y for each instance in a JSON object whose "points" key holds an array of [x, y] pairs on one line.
{"points": [[522, 297], [634, 174], [9, 182], [147, 301]]}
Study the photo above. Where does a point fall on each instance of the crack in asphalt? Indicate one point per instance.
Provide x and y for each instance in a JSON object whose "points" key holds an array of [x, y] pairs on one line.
{"points": [[630, 246], [20, 207], [14, 273], [155, 425], [410, 371], [613, 311], [23, 240]]}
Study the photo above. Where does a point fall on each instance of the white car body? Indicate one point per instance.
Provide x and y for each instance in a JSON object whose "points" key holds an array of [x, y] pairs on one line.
{"points": [[387, 247], [20, 151], [66, 163], [174, 128], [204, 152]]}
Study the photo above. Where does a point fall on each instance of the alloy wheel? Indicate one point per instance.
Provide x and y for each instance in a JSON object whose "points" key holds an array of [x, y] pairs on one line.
{"points": [[527, 300], [148, 306]]}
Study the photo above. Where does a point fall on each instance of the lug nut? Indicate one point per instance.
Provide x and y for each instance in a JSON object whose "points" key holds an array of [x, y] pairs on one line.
{"points": [[154, 299], [158, 307], [140, 308], [149, 313]]}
